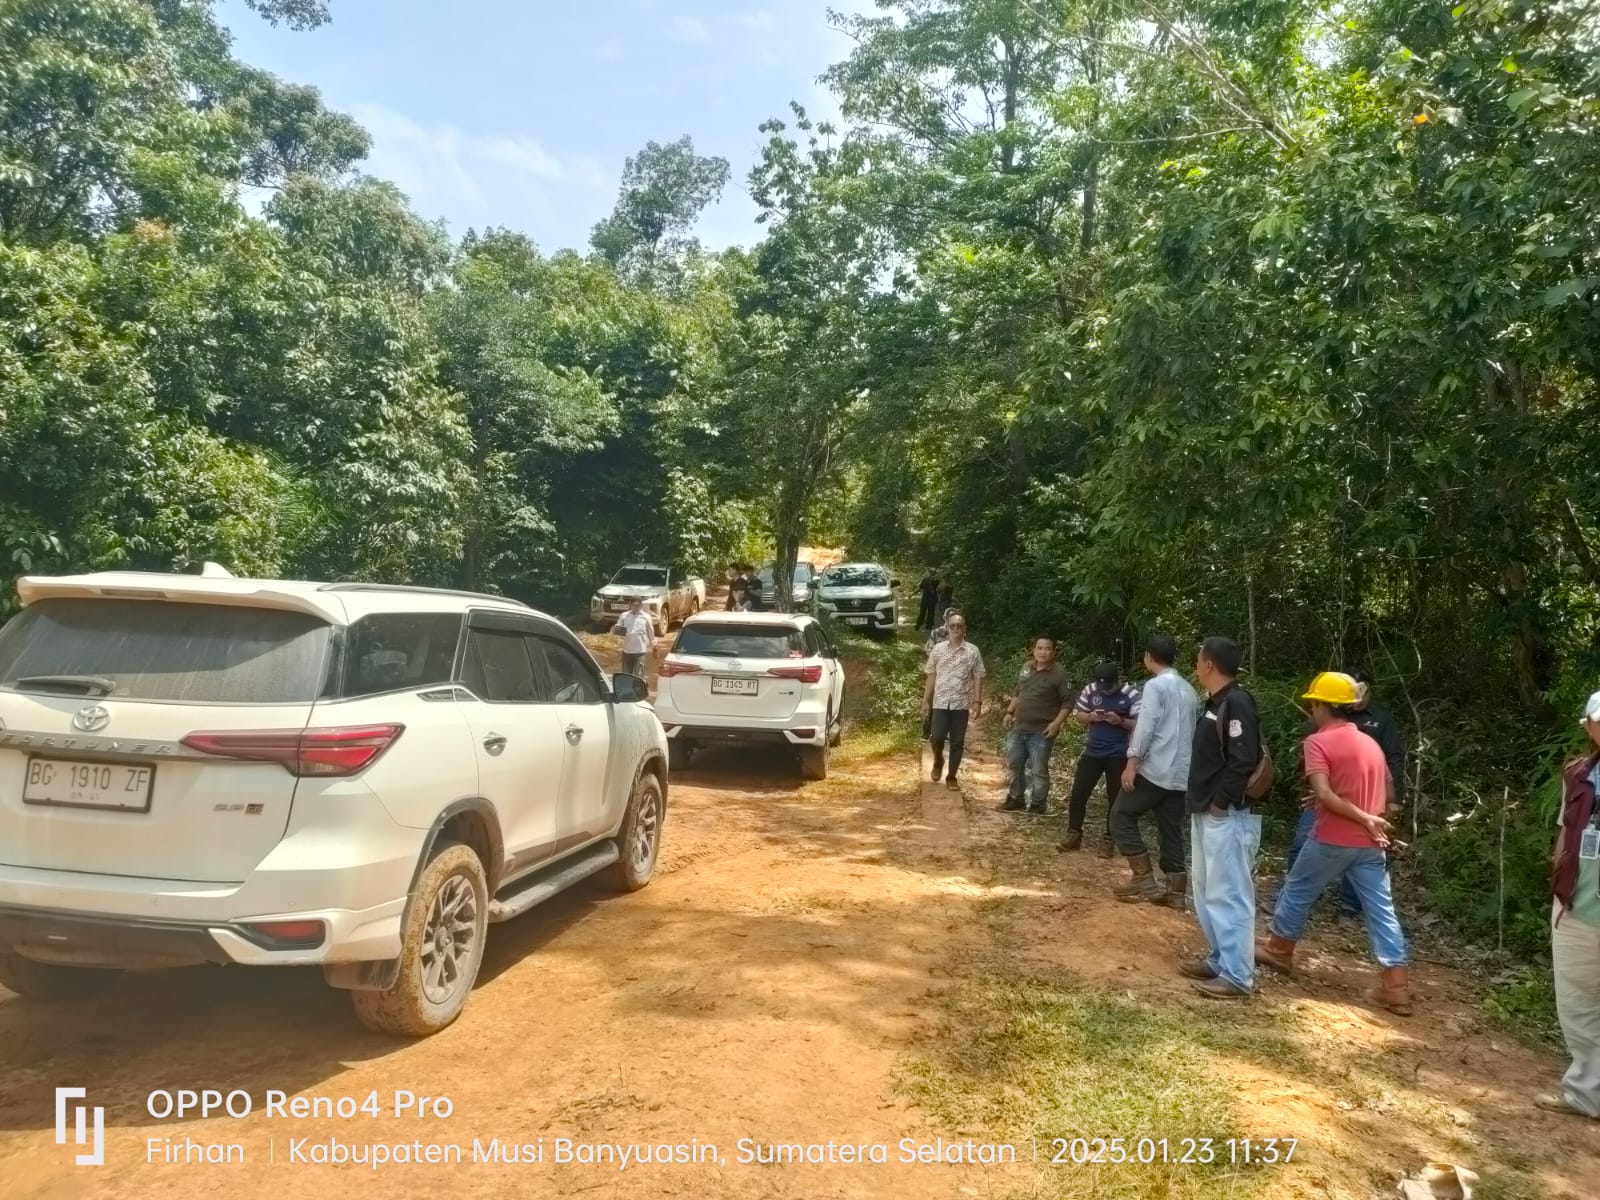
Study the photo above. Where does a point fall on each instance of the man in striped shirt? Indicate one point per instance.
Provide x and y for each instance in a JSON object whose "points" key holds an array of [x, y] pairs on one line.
{"points": [[1109, 709]]}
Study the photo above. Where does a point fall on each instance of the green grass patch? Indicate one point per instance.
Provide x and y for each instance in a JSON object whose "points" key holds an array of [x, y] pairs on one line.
{"points": [[1042, 1057], [884, 705]]}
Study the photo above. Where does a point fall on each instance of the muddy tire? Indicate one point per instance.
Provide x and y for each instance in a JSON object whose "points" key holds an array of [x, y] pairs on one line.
{"points": [[639, 839], [50, 981], [813, 761], [441, 949], [679, 755]]}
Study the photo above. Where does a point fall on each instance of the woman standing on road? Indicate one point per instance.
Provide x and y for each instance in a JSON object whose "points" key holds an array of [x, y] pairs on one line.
{"points": [[1575, 927]]}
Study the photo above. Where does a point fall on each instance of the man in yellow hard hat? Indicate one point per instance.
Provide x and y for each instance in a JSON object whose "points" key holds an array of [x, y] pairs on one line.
{"points": [[1351, 788]]}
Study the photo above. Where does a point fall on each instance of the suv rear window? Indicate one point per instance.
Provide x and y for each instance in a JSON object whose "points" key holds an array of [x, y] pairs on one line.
{"points": [[160, 650], [721, 640]]}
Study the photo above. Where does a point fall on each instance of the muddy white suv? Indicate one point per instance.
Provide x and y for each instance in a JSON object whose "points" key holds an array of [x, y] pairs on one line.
{"points": [[363, 777]]}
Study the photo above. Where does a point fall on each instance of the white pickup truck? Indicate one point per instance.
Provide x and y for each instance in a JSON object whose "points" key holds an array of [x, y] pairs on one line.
{"points": [[670, 595]]}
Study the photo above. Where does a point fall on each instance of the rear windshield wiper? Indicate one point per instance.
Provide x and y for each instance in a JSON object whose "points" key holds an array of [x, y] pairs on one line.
{"points": [[88, 685]]}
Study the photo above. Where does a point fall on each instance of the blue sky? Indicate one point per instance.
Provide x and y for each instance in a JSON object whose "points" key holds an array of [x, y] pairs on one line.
{"points": [[521, 112]]}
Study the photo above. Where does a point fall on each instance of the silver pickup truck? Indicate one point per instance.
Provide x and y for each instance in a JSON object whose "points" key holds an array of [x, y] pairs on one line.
{"points": [[670, 595]]}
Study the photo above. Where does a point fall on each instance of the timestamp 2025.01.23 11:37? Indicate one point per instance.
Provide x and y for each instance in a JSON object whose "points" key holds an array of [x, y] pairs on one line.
{"points": [[1200, 1152]]}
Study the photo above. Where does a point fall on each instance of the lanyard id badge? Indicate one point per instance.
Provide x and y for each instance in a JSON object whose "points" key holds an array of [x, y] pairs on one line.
{"points": [[1589, 843]]}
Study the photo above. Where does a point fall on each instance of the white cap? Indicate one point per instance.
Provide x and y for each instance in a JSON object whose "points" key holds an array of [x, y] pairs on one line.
{"points": [[1591, 709]]}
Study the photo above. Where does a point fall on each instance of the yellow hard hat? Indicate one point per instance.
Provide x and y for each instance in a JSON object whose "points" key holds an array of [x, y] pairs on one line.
{"points": [[1333, 687]]}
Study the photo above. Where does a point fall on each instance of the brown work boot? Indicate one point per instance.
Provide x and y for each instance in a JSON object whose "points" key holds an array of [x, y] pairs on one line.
{"points": [[1276, 952], [1143, 885], [1108, 849], [1394, 991], [1220, 989], [1196, 968], [1073, 841], [1176, 894]]}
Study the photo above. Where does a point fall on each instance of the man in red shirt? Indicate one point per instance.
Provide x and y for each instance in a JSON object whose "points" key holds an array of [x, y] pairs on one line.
{"points": [[1352, 788]]}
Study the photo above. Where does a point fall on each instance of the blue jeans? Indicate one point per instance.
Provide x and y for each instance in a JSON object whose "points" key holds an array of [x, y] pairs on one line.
{"points": [[1367, 869], [1225, 890], [1349, 902], [1028, 756]]}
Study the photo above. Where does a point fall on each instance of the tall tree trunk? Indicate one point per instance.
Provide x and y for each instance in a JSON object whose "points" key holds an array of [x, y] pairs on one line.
{"points": [[1250, 603], [1008, 145]]}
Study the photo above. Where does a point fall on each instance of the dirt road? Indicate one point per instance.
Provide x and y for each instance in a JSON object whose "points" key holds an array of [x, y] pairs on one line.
{"points": [[762, 988]]}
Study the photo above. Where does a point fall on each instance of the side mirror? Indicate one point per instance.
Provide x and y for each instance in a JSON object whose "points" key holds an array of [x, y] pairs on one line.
{"points": [[894, 583], [628, 689]]}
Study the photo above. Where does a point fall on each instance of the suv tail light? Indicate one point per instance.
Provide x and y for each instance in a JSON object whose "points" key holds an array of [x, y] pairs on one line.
{"points": [[341, 750], [811, 674], [669, 668]]}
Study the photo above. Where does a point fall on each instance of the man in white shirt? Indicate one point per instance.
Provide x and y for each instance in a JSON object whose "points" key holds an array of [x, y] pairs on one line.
{"points": [[952, 696], [638, 635]]}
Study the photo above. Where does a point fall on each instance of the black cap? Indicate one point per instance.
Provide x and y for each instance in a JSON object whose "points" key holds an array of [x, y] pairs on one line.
{"points": [[1107, 672], [1224, 654]]}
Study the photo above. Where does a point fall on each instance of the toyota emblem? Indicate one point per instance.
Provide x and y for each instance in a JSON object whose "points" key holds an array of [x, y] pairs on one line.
{"points": [[734, 664], [91, 719]]}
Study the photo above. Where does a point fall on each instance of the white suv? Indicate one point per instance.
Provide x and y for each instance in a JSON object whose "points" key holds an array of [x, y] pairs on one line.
{"points": [[746, 677], [861, 595], [209, 769]]}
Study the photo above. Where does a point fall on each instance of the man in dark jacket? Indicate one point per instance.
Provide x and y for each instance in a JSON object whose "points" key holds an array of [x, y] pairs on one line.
{"points": [[928, 609], [1225, 828], [1380, 726]]}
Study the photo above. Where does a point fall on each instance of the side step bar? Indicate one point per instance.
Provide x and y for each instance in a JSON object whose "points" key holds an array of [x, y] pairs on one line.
{"points": [[539, 888]]}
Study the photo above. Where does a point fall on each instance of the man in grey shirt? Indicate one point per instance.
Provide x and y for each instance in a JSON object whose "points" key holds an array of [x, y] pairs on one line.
{"points": [[1157, 778]]}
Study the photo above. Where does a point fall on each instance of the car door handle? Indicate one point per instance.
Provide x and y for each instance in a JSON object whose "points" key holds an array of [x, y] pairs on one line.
{"points": [[574, 734], [494, 742]]}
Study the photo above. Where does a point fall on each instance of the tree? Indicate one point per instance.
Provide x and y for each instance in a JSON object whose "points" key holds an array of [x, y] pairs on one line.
{"points": [[664, 191], [799, 368]]}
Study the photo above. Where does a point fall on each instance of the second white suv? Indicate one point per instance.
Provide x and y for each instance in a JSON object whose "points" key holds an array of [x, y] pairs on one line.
{"points": [[361, 777], [861, 595], [753, 678]]}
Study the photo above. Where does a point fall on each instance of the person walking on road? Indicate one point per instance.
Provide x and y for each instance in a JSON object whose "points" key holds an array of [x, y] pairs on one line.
{"points": [[946, 596], [941, 633], [1352, 790], [1377, 724], [738, 588], [1155, 776], [1033, 718], [928, 608], [1109, 709], [952, 696], [1225, 828], [638, 635], [1575, 927]]}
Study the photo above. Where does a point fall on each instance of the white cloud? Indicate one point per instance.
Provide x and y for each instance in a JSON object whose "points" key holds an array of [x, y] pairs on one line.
{"points": [[690, 29], [477, 179], [760, 21], [417, 157], [521, 154]]}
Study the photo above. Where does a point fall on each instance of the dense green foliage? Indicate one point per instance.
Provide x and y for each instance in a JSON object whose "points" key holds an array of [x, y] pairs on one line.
{"points": [[1275, 318]]}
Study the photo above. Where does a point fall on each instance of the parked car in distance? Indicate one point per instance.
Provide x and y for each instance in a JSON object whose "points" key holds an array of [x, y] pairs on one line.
{"points": [[354, 776], [800, 592], [670, 594], [752, 678], [861, 595]]}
